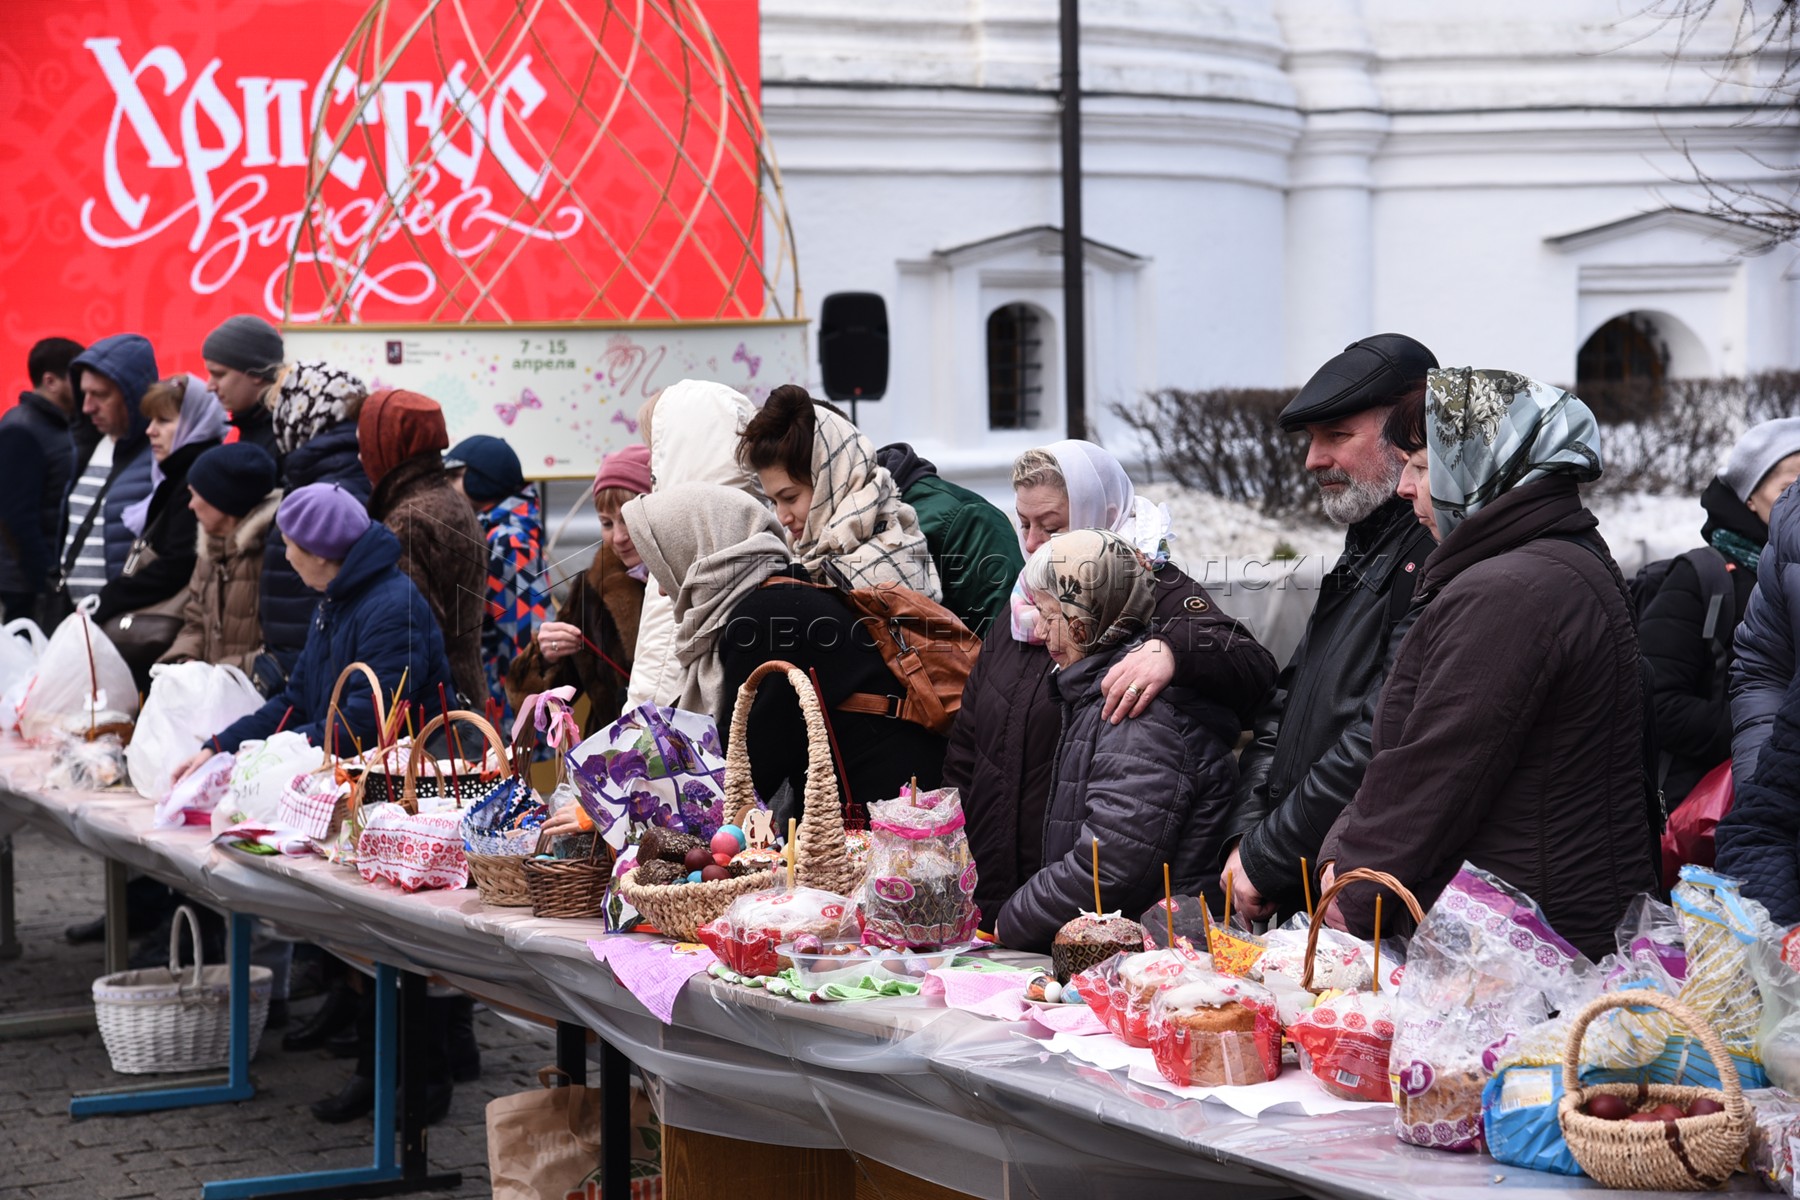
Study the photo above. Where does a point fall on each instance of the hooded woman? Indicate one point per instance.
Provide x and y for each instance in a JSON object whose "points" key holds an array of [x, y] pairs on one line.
{"points": [[1689, 646], [692, 430], [314, 414], [1152, 790], [840, 508], [740, 601], [185, 421], [1004, 742], [402, 438], [1510, 730]]}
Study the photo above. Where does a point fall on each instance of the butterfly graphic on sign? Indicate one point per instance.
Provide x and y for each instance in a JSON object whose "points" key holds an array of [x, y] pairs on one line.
{"points": [[743, 355], [509, 413]]}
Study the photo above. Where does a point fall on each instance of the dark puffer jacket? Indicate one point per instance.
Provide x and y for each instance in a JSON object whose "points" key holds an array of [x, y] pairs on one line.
{"points": [[1766, 638], [973, 543], [1155, 789], [172, 532], [442, 549], [37, 457], [1510, 729], [287, 604], [1312, 739], [1759, 839], [1003, 745], [1693, 716], [370, 613]]}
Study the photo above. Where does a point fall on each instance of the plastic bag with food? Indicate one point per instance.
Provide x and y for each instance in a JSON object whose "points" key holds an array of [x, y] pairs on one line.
{"points": [[1215, 1030], [1483, 969], [1136, 981], [1345, 1041], [919, 893], [748, 937], [1721, 929]]}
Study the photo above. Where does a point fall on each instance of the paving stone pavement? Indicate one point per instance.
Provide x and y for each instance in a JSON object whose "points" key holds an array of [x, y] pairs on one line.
{"points": [[46, 1156]]}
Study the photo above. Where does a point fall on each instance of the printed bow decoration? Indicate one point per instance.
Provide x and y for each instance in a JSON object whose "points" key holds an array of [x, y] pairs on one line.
{"points": [[509, 413], [551, 716]]}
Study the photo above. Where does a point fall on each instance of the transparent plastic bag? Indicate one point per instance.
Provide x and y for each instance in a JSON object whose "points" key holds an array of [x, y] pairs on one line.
{"points": [[1345, 1041], [748, 937], [1215, 1030], [919, 893], [1721, 930], [1483, 969]]}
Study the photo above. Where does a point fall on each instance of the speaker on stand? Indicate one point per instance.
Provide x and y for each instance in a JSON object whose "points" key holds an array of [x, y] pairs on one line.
{"points": [[853, 347]]}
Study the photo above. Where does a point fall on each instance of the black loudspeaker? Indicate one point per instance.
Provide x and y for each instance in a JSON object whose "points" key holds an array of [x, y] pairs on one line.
{"points": [[853, 345]]}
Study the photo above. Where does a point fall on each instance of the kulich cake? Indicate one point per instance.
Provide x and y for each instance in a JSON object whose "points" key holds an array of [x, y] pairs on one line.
{"points": [[1207, 1031], [1439, 1106], [1140, 978], [748, 936], [1093, 938]]}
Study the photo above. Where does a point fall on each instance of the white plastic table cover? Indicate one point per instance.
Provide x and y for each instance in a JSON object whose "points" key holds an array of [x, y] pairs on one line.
{"points": [[964, 1102]]}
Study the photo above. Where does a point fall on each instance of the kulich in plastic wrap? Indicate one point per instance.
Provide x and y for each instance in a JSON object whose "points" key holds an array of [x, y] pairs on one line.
{"points": [[1213, 1031], [1090, 939], [746, 937], [919, 893], [1344, 1042], [1137, 979], [1774, 1138]]}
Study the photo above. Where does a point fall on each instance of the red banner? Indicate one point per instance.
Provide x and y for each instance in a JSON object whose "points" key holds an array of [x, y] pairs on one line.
{"points": [[168, 165]]}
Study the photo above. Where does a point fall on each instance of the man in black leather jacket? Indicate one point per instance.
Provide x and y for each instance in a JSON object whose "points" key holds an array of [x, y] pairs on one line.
{"points": [[1312, 737]]}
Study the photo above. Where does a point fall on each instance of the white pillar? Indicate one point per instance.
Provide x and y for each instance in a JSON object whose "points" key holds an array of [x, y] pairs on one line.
{"points": [[1329, 262]]}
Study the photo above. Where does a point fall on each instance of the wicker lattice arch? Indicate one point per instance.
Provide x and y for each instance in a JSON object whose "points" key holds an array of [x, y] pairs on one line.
{"points": [[541, 160]]}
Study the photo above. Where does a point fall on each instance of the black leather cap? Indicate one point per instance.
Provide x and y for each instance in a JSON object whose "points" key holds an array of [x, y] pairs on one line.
{"points": [[1368, 373]]}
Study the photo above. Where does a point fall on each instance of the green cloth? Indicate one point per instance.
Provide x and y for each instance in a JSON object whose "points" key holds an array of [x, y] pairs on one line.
{"points": [[863, 987], [975, 546], [1738, 548]]}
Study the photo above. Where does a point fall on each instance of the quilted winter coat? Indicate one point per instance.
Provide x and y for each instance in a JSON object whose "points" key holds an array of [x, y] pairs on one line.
{"points": [[221, 620]]}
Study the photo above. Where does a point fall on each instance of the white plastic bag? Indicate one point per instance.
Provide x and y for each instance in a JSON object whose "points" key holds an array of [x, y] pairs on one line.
{"points": [[82, 681], [20, 651], [262, 771], [188, 703]]}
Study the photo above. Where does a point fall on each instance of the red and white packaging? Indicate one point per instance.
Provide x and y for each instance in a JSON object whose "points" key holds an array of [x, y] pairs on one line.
{"points": [[749, 934]]}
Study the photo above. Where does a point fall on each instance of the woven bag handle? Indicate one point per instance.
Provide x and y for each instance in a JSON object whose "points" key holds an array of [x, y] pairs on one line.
{"points": [[409, 788], [821, 857], [337, 692], [1644, 997], [1356, 875]]}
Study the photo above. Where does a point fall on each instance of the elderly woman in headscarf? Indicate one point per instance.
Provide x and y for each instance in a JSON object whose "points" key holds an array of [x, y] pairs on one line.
{"points": [[742, 600], [1151, 790], [841, 509], [1510, 730], [185, 420], [1003, 743], [314, 412]]}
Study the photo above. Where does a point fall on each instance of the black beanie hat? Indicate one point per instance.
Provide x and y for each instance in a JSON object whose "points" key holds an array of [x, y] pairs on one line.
{"points": [[233, 479]]}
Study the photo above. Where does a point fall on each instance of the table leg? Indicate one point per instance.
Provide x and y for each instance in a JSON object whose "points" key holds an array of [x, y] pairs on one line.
{"points": [[615, 1123], [157, 1097], [399, 1015], [118, 919], [571, 1052], [9, 921]]}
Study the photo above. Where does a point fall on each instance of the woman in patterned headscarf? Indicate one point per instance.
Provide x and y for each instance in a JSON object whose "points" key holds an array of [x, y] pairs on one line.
{"points": [[840, 508], [1509, 733], [1155, 789]]}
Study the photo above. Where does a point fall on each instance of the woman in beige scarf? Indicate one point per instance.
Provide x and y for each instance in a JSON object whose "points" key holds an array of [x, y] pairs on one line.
{"points": [[838, 505]]}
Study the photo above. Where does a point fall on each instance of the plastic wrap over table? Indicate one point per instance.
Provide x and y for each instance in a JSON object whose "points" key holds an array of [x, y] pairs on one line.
{"points": [[969, 1103]]}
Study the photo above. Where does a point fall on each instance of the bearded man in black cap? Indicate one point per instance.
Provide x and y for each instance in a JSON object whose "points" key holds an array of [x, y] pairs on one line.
{"points": [[1312, 738]]}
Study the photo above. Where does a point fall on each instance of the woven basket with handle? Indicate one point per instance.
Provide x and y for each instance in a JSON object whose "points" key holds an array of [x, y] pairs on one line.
{"points": [[821, 858], [1692, 1154], [569, 888], [325, 827], [1357, 875]]}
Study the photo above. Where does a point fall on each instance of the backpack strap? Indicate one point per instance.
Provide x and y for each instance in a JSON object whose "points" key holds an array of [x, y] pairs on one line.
{"points": [[870, 704], [1716, 588]]}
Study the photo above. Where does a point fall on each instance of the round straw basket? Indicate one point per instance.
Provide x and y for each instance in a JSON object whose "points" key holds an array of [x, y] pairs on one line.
{"points": [[821, 858], [165, 1020], [1358, 875], [1691, 1155], [569, 888], [500, 878]]}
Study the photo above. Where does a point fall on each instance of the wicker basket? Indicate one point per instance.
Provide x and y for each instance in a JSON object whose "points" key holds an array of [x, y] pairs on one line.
{"points": [[569, 889], [1357, 875], [161, 1020], [821, 858], [500, 878], [1690, 1155], [468, 787]]}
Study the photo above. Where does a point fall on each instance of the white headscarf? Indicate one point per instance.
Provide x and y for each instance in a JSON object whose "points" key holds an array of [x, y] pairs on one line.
{"points": [[1100, 497], [202, 419]]}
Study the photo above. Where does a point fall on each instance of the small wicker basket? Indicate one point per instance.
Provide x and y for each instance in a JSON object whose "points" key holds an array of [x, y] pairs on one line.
{"points": [[821, 857], [1356, 875], [162, 1020], [1690, 1155], [569, 888]]}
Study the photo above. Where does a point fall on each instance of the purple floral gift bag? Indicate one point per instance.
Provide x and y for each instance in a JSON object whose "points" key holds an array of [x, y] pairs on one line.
{"points": [[653, 766]]}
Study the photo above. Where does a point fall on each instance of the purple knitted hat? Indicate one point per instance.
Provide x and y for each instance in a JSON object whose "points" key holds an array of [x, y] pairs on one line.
{"points": [[322, 519]]}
